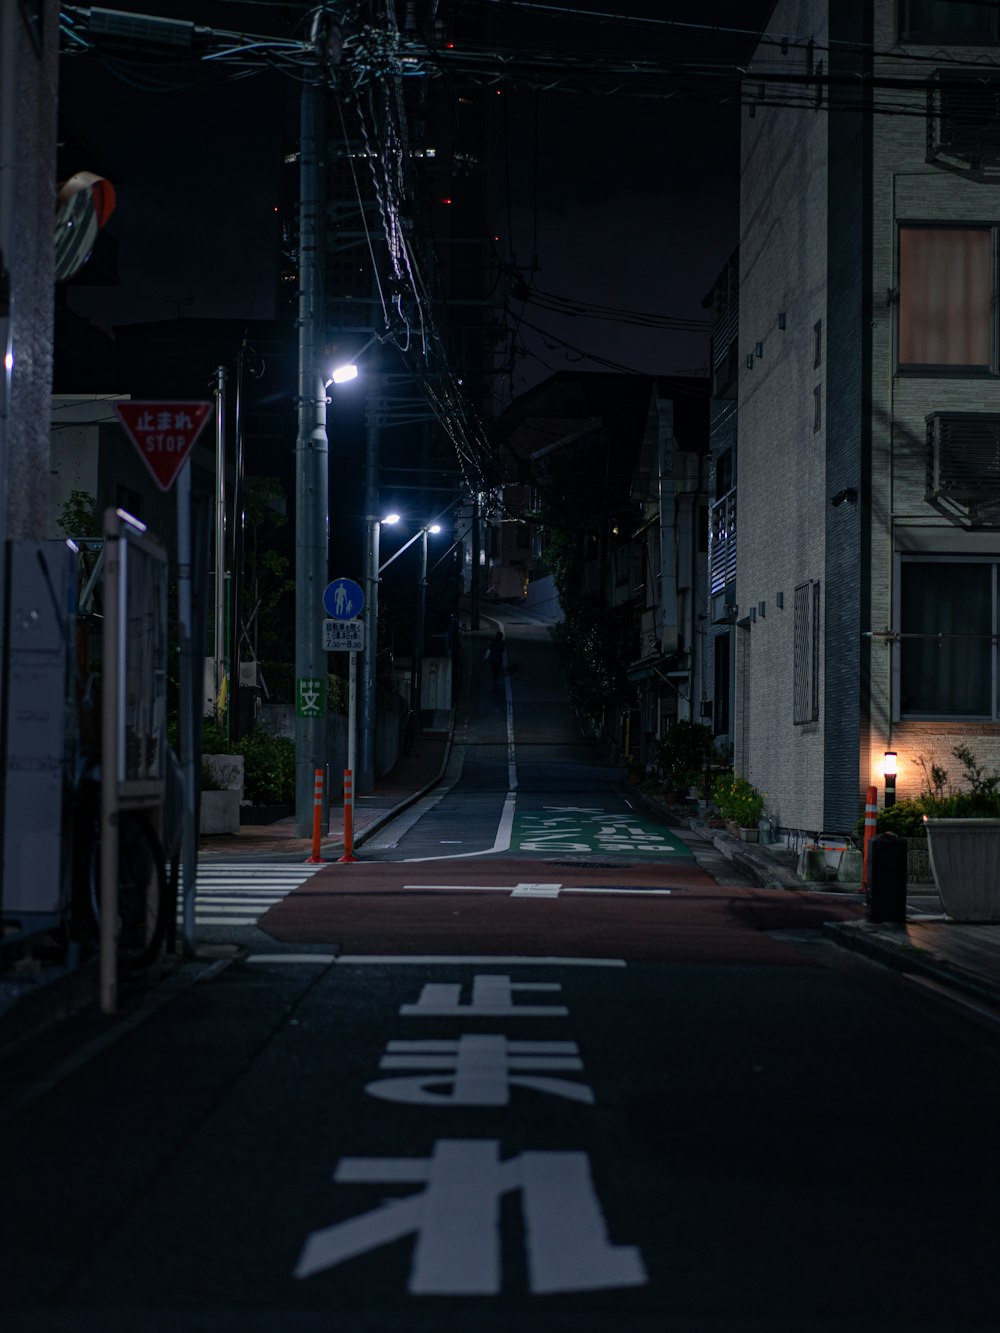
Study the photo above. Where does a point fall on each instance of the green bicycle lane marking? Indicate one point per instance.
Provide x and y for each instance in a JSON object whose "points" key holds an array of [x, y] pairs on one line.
{"points": [[575, 828]]}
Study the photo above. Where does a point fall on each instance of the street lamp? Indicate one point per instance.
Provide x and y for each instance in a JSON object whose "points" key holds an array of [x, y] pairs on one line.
{"points": [[889, 773], [416, 673]]}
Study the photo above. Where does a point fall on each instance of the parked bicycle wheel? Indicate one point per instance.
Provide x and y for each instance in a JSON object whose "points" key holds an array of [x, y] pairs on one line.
{"points": [[140, 863]]}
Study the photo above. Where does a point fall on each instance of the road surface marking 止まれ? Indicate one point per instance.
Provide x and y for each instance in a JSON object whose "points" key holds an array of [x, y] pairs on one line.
{"points": [[455, 1219]]}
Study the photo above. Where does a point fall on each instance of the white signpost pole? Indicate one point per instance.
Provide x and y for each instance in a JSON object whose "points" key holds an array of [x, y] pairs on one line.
{"points": [[344, 600], [352, 710]]}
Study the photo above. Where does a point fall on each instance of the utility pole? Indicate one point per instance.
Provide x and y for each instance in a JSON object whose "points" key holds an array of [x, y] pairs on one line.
{"points": [[474, 589], [312, 473], [239, 524], [417, 673], [220, 533], [366, 749]]}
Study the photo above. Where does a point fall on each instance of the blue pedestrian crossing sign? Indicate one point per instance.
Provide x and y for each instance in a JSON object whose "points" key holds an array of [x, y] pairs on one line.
{"points": [[343, 599]]}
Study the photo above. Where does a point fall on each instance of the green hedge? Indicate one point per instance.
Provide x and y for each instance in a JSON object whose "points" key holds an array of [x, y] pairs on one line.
{"points": [[268, 768]]}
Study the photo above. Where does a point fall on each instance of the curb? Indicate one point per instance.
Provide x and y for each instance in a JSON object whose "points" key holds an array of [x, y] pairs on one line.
{"points": [[386, 817], [762, 869], [873, 944]]}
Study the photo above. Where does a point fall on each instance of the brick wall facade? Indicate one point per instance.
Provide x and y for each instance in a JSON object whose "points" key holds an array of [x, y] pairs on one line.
{"points": [[824, 412], [781, 458]]}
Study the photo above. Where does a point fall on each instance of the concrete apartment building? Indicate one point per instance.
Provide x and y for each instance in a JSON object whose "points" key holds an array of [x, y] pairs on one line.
{"points": [[869, 402]]}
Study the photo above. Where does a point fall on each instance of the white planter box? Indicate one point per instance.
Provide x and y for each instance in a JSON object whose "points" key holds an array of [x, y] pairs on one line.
{"points": [[220, 812], [965, 861]]}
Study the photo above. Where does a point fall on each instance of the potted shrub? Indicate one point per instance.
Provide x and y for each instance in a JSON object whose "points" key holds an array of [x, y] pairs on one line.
{"points": [[221, 792], [739, 803], [963, 836]]}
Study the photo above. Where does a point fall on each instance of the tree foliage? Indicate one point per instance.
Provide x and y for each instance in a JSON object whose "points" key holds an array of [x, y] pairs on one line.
{"points": [[596, 639], [266, 580], [78, 516]]}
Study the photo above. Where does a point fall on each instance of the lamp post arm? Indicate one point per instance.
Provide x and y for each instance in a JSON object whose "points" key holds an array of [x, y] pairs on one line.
{"points": [[406, 545]]}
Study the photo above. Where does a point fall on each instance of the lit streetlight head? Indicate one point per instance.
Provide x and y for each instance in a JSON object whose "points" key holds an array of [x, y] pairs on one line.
{"points": [[434, 528], [342, 374], [390, 519]]}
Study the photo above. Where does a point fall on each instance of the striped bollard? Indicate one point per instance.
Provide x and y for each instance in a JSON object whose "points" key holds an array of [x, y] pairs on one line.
{"points": [[871, 815], [348, 816], [316, 859]]}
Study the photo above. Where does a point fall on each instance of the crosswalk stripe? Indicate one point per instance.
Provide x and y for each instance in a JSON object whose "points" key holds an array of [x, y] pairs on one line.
{"points": [[236, 894]]}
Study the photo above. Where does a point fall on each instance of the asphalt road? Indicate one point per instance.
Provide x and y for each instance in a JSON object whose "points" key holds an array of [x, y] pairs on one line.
{"points": [[472, 1082]]}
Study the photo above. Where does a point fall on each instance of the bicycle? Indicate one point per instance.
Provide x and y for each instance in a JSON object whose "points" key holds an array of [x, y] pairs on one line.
{"points": [[143, 915]]}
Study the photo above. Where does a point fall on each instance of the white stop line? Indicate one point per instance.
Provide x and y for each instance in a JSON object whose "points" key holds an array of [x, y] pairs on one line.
{"points": [[530, 890]]}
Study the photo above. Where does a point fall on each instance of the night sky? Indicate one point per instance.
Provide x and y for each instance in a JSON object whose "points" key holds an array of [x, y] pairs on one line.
{"points": [[615, 200]]}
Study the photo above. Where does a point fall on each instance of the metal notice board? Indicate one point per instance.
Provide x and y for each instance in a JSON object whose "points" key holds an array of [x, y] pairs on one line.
{"points": [[140, 646]]}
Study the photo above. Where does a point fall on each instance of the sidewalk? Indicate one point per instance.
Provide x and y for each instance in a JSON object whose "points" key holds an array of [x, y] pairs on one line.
{"points": [[960, 957], [410, 778]]}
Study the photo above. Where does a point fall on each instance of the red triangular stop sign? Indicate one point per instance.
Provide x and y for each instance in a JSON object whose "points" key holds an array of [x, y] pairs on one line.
{"points": [[164, 434]]}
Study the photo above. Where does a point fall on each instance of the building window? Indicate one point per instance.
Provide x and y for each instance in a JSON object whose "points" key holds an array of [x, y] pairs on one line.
{"points": [[805, 706], [964, 22], [945, 317], [947, 620], [724, 478], [721, 683]]}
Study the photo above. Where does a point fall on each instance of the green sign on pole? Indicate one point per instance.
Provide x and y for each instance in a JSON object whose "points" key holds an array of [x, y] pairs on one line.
{"points": [[310, 697]]}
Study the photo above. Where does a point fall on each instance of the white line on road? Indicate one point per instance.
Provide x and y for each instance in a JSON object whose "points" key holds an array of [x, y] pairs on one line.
{"points": [[499, 960], [529, 890], [505, 831], [316, 958]]}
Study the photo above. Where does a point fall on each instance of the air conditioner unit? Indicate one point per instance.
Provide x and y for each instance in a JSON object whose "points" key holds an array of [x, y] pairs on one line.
{"points": [[963, 465], [963, 129]]}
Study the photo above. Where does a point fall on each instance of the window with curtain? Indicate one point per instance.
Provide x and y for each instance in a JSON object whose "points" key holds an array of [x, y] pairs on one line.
{"points": [[973, 22], [946, 299], [947, 657]]}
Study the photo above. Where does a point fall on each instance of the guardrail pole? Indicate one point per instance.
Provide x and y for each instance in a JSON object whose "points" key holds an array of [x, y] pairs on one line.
{"points": [[871, 814], [316, 859]]}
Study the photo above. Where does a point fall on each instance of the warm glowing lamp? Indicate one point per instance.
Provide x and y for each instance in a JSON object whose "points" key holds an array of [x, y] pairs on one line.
{"points": [[889, 773]]}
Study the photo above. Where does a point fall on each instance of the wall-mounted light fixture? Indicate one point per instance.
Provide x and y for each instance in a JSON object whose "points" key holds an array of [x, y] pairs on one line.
{"points": [[889, 774], [749, 360], [759, 349], [848, 495], [781, 320]]}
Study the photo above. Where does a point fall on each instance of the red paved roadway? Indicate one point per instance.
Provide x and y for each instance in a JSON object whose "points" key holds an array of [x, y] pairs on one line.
{"points": [[365, 909]]}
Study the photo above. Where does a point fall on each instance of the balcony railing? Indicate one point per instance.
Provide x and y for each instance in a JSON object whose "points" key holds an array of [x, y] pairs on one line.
{"points": [[722, 543]]}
